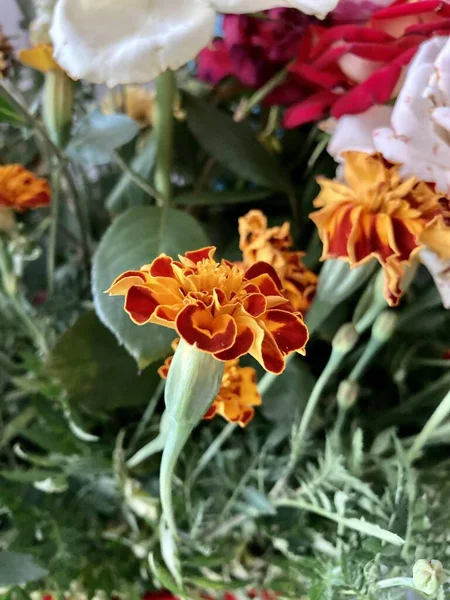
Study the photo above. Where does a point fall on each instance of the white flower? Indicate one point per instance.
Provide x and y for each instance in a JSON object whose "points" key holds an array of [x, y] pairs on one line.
{"points": [[419, 135], [133, 41]]}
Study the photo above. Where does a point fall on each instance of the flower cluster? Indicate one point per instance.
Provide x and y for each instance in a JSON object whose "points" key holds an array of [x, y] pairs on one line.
{"points": [[252, 49], [237, 396], [21, 190], [140, 39], [347, 68], [219, 307], [273, 245], [377, 214], [355, 61]]}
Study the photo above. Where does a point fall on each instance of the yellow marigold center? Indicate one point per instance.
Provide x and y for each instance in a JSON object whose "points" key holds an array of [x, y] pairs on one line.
{"points": [[211, 275]]}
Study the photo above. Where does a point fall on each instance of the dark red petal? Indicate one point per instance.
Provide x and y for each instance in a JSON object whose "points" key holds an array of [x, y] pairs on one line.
{"points": [[272, 357], [263, 268], [405, 9], [161, 267], [140, 304], [255, 304], [197, 255], [288, 330], [139, 274], [312, 109], [197, 326], [241, 346], [377, 89]]}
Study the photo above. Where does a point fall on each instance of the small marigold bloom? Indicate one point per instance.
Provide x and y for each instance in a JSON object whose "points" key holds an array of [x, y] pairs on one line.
{"points": [[377, 214], [136, 102], [216, 306], [40, 58], [259, 242], [237, 395], [22, 190]]}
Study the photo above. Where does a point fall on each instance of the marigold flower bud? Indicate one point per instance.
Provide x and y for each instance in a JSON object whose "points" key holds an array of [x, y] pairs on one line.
{"points": [[347, 394], [428, 575], [345, 338], [384, 326]]}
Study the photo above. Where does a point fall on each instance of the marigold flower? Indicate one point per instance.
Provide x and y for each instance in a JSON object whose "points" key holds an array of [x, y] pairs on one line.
{"points": [[237, 395], [22, 190], [271, 245], [377, 214], [216, 306]]}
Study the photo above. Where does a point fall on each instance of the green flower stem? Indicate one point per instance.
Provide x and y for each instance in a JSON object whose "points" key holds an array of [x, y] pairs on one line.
{"points": [[212, 450], [11, 289], [260, 94], [177, 436], [367, 320], [370, 351], [53, 233], [441, 413], [299, 436], [163, 126], [138, 179], [146, 417]]}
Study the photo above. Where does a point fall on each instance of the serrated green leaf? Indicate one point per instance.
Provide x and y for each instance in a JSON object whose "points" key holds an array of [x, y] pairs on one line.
{"points": [[18, 569], [136, 238], [258, 501], [234, 145], [95, 371], [98, 135]]}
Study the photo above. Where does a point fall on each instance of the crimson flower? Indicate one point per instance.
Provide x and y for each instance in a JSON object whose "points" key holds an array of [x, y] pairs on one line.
{"points": [[253, 49], [346, 69]]}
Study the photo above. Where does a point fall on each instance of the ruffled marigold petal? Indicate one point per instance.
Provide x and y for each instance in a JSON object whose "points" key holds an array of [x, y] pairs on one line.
{"points": [[22, 190], [377, 214], [140, 304], [198, 327]]}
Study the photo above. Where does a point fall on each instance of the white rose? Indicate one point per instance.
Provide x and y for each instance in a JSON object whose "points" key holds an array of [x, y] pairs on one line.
{"points": [[419, 135], [133, 41]]}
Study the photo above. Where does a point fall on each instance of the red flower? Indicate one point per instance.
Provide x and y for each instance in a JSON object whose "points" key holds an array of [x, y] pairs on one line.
{"points": [[159, 595], [346, 69], [253, 49]]}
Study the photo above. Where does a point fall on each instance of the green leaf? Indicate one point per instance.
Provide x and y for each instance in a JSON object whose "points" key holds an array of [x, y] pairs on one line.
{"points": [[290, 394], [233, 144], [126, 192], [9, 115], [134, 239], [28, 476], [98, 135], [258, 501], [97, 372], [220, 198], [18, 569]]}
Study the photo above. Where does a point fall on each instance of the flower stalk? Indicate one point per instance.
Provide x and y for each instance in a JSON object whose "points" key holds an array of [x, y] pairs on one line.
{"points": [[164, 124], [343, 342]]}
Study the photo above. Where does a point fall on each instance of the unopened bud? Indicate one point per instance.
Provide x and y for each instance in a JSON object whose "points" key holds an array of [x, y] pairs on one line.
{"points": [[384, 326], [428, 575], [57, 105], [347, 394], [345, 338]]}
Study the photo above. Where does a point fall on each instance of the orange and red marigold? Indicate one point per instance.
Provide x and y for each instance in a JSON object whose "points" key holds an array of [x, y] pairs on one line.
{"points": [[22, 190], [237, 395], [273, 245], [218, 307], [377, 214]]}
